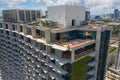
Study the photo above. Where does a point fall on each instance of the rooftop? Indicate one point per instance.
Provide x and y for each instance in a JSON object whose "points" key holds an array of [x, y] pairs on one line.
{"points": [[56, 27]]}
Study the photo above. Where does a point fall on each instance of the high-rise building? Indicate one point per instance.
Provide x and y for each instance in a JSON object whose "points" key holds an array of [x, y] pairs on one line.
{"points": [[87, 15], [47, 50], [18, 15], [116, 14]]}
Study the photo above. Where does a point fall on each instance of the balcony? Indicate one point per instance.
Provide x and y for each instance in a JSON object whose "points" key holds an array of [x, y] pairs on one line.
{"points": [[72, 44], [43, 52], [92, 54], [66, 56], [57, 69], [92, 63], [83, 53], [44, 68], [91, 71], [61, 61], [53, 75], [43, 75], [91, 78]]}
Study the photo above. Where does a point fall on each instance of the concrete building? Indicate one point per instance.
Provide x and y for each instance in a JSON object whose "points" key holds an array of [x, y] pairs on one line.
{"points": [[37, 51], [62, 14], [17, 15]]}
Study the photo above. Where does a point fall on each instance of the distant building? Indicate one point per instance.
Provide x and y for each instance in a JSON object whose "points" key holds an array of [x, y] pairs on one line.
{"points": [[21, 15], [1, 17], [109, 16], [87, 15], [98, 17], [46, 14], [116, 14], [99, 22]]}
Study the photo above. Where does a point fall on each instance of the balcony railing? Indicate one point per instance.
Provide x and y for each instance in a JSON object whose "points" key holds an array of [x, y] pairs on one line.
{"points": [[83, 53], [91, 71], [66, 56], [60, 60]]}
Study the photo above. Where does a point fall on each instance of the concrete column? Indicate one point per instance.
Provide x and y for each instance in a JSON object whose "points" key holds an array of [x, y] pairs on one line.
{"points": [[10, 26], [4, 25], [47, 36], [48, 50], [18, 36], [34, 43], [25, 30], [72, 55], [36, 15], [18, 28], [97, 49], [25, 39], [18, 17], [30, 15], [25, 15], [34, 32], [10, 35]]}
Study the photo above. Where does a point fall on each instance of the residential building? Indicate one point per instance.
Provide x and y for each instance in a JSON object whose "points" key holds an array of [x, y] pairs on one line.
{"points": [[18, 15], [47, 50]]}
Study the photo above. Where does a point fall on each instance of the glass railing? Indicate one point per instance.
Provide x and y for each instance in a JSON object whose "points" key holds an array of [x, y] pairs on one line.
{"points": [[83, 53]]}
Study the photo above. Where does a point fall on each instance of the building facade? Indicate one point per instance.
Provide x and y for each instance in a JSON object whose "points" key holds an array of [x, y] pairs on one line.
{"points": [[68, 15], [37, 52], [21, 15], [116, 14]]}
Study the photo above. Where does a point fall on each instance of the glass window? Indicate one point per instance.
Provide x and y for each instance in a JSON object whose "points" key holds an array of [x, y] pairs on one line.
{"points": [[79, 51], [0, 25], [14, 27], [22, 15], [21, 29], [7, 32], [21, 37], [6, 26]]}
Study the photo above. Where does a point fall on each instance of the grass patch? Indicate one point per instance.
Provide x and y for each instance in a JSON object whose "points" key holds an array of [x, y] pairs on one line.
{"points": [[79, 69], [112, 49]]}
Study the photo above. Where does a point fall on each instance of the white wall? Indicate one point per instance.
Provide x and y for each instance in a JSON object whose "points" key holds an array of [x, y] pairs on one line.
{"points": [[65, 13], [57, 13]]}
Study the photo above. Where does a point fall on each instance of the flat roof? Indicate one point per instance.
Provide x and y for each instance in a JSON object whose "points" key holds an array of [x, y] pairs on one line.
{"points": [[70, 45]]}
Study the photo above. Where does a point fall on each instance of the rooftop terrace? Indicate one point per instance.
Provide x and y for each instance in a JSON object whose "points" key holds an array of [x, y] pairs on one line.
{"points": [[75, 43], [55, 27]]}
